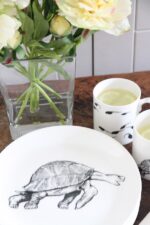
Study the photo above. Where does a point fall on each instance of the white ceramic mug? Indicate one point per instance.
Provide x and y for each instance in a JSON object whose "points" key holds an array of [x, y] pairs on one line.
{"points": [[141, 144], [117, 121]]}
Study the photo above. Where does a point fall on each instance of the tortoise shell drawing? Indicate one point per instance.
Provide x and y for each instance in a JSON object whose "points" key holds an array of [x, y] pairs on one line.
{"points": [[66, 178]]}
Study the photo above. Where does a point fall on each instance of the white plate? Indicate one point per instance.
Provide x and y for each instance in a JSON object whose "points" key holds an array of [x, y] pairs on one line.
{"points": [[82, 162]]}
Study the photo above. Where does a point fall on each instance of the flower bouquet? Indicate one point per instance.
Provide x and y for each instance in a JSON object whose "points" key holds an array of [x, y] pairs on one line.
{"points": [[39, 38]]}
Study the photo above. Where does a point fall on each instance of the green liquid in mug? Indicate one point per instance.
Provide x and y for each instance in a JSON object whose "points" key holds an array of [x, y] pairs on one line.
{"points": [[117, 97], [145, 131]]}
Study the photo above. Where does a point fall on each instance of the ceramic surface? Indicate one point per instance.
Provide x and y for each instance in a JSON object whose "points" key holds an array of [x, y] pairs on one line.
{"points": [[68, 175]]}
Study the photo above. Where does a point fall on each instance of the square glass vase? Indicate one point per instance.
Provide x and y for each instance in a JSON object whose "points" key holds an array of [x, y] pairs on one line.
{"points": [[38, 93]]}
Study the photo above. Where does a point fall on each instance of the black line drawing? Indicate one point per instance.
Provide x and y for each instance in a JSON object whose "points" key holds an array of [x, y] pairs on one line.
{"points": [[116, 132], [145, 168], [97, 106], [65, 178], [111, 112]]}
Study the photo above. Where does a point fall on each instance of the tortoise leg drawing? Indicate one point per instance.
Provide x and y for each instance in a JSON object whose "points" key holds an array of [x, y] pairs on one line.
{"points": [[62, 178], [68, 199], [15, 200], [89, 193], [34, 200]]}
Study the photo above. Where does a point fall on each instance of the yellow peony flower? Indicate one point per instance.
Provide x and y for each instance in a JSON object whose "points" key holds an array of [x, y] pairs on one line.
{"points": [[108, 15]]}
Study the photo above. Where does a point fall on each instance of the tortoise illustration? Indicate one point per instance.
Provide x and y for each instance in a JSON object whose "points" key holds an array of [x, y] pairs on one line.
{"points": [[145, 168], [66, 178]]}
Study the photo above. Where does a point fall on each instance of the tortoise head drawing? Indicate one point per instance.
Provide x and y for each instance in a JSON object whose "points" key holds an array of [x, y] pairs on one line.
{"points": [[65, 178]]}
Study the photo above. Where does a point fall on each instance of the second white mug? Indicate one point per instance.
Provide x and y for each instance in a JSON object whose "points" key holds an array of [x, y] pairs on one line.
{"points": [[141, 143], [117, 119]]}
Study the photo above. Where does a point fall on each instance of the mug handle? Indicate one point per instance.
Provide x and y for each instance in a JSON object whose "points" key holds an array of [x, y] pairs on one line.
{"points": [[142, 102]]}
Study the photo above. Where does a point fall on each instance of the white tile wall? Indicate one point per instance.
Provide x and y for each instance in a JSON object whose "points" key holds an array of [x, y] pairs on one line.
{"points": [[142, 36], [142, 51], [84, 59], [143, 15], [112, 54], [127, 53], [115, 53]]}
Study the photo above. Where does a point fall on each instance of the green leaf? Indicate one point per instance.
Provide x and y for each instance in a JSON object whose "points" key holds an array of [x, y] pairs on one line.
{"points": [[55, 49], [41, 25], [35, 44], [59, 43], [46, 53], [49, 7], [72, 53], [5, 55], [78, 32], [41, 49], [27, 26], [20, 53], [65, 49], [62, 46]]}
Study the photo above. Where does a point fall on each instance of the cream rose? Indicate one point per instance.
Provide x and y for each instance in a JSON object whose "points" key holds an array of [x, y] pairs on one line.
{"points": [[60, 26], [21, 3], [15, 40], [8, 28], [108, 15], [4, 4], [8, 7]]}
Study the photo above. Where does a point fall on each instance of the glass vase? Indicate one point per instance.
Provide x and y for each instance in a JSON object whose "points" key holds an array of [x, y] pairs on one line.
{"points": [[38, 93]]}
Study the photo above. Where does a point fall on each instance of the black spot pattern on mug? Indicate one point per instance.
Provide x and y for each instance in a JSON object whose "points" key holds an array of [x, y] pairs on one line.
{"points": [[112, 112], [97, 106], [115, 133]]}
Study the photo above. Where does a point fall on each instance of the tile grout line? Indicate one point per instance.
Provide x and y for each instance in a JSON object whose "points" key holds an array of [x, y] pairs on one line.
{"points": [[134, 37], [143, 31], [93, 56]]}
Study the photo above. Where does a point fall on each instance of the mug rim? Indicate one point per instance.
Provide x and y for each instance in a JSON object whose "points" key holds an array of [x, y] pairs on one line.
{"points": [[117, 79]]}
